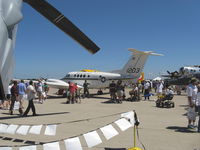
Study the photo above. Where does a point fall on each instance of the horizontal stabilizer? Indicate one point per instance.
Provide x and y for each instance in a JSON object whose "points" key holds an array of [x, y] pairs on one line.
{"points": [[144, 52]]}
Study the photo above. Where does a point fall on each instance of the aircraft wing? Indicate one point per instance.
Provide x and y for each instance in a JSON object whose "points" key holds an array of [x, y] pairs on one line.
{"points": [[166, 75], [58, 84]]}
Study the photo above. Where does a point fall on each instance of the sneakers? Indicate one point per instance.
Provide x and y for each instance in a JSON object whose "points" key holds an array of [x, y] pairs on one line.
{"points": [[191, 126]]}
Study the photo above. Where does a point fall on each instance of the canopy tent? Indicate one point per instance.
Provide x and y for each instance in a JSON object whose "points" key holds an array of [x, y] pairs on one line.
{"points": [[157, 78]]}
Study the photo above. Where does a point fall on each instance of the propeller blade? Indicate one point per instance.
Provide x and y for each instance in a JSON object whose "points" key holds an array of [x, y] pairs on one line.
{"points": [[168, 72], [58, 19]]}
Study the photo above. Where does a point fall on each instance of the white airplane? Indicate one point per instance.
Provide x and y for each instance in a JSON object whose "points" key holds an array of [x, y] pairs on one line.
{"points": [[100, 80], [187, 70]]}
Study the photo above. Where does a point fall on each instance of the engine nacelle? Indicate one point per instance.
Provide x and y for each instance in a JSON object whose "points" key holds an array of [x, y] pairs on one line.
{"points": [[10, 11]]}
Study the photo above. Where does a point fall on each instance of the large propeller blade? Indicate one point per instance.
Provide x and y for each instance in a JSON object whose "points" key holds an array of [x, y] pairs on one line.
{"points": [[58, 19]]}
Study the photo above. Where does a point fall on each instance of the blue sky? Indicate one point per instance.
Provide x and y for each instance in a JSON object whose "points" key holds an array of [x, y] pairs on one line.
{"points": [[169, 27]]}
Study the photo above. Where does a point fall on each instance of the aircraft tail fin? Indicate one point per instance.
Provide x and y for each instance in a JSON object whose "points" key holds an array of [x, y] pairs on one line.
{"points": [[134, 66]]}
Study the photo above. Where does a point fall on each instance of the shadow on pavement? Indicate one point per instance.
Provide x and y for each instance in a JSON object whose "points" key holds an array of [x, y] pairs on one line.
{"points": [[39, 115], [181, 129]]}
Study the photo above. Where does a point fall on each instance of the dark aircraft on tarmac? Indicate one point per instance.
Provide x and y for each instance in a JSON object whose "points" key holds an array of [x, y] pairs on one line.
{"points": [[183, 76]]}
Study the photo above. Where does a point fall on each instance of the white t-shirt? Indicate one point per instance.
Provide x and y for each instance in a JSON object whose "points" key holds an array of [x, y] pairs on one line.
{"points": [[168, 91], [30, 92], [9, 89], [39, 87], [146, 85], [159, 88], [136, 88], [192, 92]]}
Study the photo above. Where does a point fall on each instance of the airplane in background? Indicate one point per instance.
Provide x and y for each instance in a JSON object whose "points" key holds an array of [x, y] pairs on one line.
{"points": [[183, 76], [100, 80]]}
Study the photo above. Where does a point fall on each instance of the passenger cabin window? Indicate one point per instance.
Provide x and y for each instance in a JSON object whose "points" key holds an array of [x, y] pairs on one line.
{"points": [[84, 76], [81, 75], [78, 75], [88, 76], [75, 75]]}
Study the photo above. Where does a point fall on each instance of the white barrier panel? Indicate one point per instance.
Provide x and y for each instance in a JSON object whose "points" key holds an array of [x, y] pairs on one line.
{"points": [[123, 124], [51, 146], [11, 129], [92, 139], [129, 116], [73, 144], [50, 130], [109, 131], [35, 129], [3, 128], [23, 130], [5, 148], [28, 148]]}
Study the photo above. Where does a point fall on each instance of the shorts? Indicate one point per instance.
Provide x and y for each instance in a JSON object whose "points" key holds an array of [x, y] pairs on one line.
{"points": [[191, 114], [119, 93], [8, 96], [20, 97], [39, 93]]}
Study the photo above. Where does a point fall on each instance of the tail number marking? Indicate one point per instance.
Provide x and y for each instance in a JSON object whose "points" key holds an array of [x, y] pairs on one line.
{"points": [[133, 70]]}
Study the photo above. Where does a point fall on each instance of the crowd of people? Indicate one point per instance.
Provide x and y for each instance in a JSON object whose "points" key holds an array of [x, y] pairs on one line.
{"points": [[117, 94], [117, 90], [19, 91], [73, 93]]}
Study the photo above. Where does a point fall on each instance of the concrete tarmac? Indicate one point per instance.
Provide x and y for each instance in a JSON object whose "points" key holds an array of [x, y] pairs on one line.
{"points": [[159, 129]]}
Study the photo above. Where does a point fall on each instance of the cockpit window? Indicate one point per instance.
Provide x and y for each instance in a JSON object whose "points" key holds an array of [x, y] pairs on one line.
{"points": [[68, 75]]}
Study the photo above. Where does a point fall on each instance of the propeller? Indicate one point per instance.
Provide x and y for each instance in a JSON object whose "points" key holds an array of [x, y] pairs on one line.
{"points": [[58, 19], [174, 74], [168, 72]]}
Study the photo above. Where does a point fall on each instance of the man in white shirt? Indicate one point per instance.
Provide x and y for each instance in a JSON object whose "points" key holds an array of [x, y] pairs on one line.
{"points": [[159, 88], [40, 90], [147, 87], [192, 96], [30, 96]]}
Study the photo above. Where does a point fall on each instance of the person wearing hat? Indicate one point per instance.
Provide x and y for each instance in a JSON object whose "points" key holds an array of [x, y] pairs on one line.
{"points": [[192, 96]]}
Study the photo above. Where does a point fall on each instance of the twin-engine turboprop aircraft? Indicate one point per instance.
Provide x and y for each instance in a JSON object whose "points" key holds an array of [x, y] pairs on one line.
{"points": [[99, 80]]}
